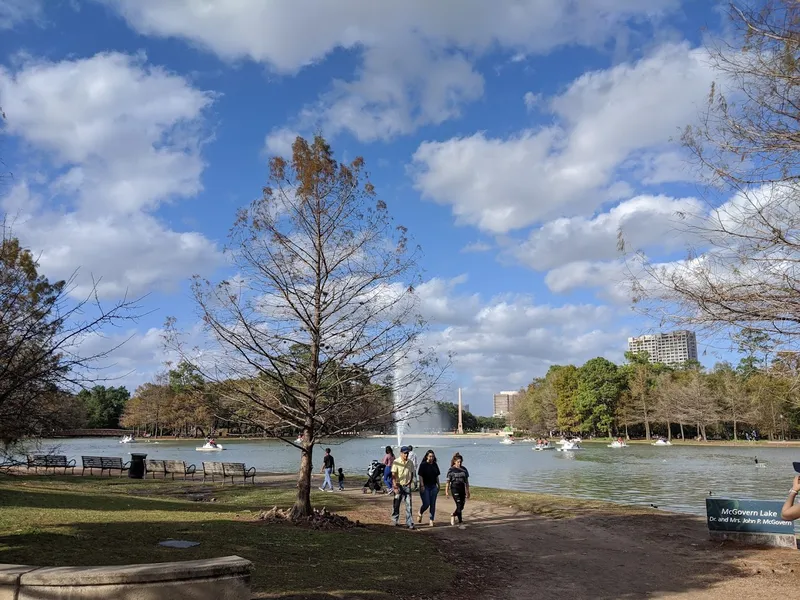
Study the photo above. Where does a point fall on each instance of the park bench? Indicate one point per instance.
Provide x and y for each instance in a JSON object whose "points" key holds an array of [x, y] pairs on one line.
{"points": [[173, 467], [228, 469], [155, 466], [104, 463], [51, 461], [113, 463]]}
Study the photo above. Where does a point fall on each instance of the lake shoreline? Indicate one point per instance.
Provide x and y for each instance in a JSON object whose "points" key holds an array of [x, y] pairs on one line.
{"points": [[466, 436]]}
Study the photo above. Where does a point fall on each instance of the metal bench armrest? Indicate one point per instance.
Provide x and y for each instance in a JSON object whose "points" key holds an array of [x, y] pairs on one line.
{"points": [[191, 469], [126, 465], [251, 470], [71, 463]]}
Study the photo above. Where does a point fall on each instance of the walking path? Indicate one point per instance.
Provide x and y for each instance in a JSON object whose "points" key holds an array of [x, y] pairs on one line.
{"points": [[616, 555], [504, 553]]}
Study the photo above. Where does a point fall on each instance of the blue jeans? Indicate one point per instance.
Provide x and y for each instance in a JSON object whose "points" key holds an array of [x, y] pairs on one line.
{"points": [[428, 494], [403, 495], [327, 481], [387, 477]]}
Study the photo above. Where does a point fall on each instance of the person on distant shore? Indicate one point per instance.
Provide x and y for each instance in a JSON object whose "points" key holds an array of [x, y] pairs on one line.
{"points": [[341, 480], [388, 460], [790, 510], [428, 485], [402, 476], [327, 468], [458, 484]]}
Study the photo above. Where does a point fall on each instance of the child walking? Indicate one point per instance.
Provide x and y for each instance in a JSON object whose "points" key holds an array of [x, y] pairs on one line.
{"points": [[341, 480]]}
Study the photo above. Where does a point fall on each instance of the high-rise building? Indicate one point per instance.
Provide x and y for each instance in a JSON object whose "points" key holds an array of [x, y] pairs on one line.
{"points": [[504, 403], [671, 348]]}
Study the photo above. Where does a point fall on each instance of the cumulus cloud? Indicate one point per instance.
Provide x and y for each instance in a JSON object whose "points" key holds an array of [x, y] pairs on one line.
{"points": [[279, 142], [603, 119], [504, 341], [645, 222], [121, 138], [439, 43]]}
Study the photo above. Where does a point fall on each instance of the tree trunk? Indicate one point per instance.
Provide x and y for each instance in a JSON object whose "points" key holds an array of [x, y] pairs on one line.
{"points": [[682, 436], [669, 431], [646, 428], [735, 437], [302, 504], [627, 437]]}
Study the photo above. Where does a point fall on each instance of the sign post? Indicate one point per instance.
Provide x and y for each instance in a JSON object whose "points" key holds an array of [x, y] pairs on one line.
{"points": [[749, 521]]}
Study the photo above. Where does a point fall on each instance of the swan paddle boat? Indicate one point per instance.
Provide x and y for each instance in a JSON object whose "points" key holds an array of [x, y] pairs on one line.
{"points": [[506, 441], [570, 445], [210, 447], [618, 444], [128, 439], [662, 443], [544, 446]]}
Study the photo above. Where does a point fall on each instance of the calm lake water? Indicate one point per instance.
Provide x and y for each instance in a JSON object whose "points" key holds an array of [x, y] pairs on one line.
{"points": [[676, 478]]}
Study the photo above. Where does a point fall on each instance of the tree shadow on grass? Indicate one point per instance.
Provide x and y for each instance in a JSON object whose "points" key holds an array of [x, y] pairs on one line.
{"points": [[172, 496], [604, 556], [289, 561]]}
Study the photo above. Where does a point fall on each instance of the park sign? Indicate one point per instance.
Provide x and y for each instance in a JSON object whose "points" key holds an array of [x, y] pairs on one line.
{"points": [[752, 521]]}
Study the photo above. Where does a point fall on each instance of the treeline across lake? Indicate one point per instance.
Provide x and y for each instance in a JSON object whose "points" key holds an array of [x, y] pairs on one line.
{"points": [[643, 399], [182, 403]]}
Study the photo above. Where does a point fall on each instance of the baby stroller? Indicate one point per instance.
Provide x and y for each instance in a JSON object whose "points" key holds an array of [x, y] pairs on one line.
{"points": [[375, 478]]}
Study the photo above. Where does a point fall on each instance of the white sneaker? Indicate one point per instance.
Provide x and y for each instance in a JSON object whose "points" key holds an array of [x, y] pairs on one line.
{"points": [[322, 489], [430, 524], [419, 518], [452, 520]]}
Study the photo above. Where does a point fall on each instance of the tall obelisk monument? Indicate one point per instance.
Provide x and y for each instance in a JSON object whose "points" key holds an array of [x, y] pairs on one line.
{"points": [[460, 422]]}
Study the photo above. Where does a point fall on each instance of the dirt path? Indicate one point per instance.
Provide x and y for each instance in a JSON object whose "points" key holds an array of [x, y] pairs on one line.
{"points": [[624, 553], [510, 554]]}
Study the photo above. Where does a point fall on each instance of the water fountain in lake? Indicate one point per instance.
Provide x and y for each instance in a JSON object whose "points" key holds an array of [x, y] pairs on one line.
{"points": [[414, 411], [402, 397]]}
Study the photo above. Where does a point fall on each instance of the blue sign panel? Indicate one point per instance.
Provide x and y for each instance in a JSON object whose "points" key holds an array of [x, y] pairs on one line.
{"points": [[749, 516]]}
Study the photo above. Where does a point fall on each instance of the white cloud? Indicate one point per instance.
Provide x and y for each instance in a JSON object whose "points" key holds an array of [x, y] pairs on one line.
{"points": [[569, 168], [279, 142], [609, 278], [426, 82], [645, 221], [531, 100], [134, 254], [14, 12], [477, 247], [505, 341], [123, 137], [127, 133]]}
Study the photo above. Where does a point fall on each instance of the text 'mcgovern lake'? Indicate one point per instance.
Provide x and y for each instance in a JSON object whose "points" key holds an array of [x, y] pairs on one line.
{"points": [[676, 478]]}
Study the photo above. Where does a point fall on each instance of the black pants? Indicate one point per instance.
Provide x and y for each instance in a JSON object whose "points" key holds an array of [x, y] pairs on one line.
{"points": [[460, 497]]}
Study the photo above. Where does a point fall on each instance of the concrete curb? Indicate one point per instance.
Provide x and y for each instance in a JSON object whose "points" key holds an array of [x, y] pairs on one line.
{"points": [[225, 578]]}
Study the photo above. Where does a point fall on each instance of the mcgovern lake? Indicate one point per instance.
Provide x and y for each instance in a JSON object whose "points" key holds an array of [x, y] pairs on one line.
{"points": [[674, 478]]}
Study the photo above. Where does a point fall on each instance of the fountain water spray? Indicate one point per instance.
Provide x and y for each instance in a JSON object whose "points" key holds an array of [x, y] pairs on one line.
{"points": [[404, 391]]}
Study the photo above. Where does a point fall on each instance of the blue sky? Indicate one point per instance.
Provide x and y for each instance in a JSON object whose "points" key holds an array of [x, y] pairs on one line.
{"points": [[513, 138]]}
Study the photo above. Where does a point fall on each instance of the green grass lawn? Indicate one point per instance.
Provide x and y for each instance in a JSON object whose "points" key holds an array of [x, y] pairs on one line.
{"points": [[92, 521]]}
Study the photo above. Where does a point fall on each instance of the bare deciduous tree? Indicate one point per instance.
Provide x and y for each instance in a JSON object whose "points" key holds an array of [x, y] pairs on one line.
{"points": [[321, 322], [743, 273], [41, 334]]}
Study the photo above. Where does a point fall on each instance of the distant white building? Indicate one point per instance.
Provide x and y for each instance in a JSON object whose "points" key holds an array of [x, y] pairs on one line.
{"points": [[504, 403], [672, 348]]}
